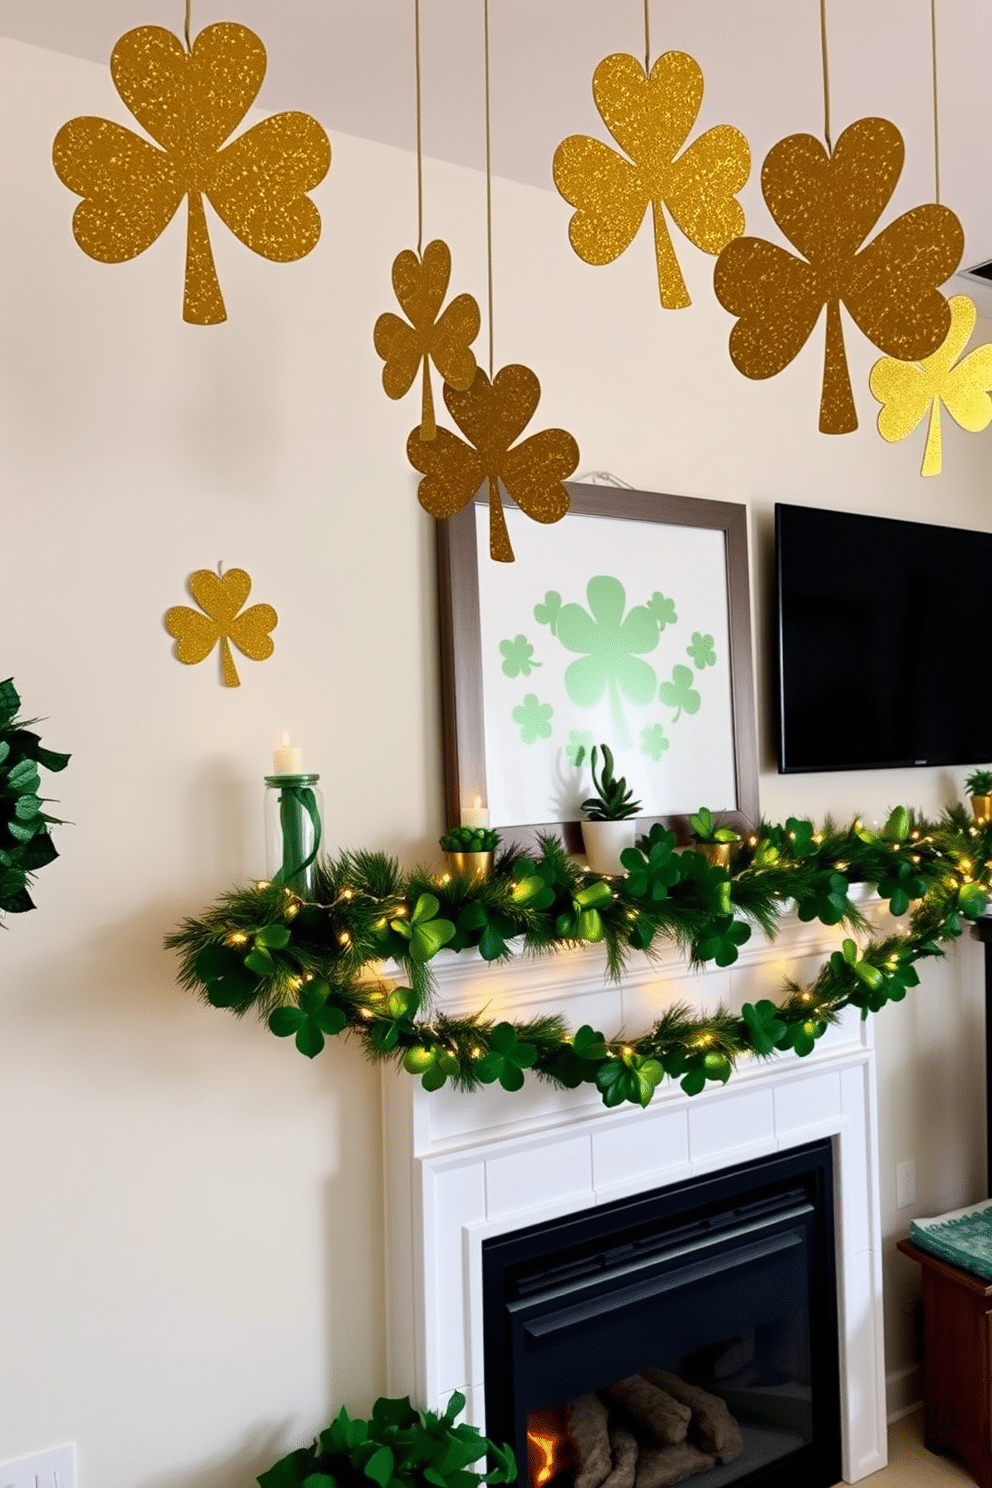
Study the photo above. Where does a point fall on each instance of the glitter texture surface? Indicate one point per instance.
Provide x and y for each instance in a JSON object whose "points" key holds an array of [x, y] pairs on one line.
{"points": [[190, 103], [907, 390], [221, 599], [826, 205], [492, 415], [427, 335], [651, 118]]}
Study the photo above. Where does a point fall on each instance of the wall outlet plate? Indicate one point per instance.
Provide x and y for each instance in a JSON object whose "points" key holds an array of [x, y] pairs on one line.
{"points": [[905, 1188], [52, 1469]]}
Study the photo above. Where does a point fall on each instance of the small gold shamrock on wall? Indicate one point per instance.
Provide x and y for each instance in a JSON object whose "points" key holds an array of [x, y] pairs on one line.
{"points": [[907, 389], [190, 103], [492, 415], [651, 118], [431, 336], [221, 597], [826, 205]]}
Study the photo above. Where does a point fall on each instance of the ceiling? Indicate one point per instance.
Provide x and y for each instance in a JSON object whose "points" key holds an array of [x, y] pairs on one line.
{"points": [[350, 62]]}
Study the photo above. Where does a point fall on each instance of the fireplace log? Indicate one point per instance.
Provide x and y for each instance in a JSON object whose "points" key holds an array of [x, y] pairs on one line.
{"points": [[587, 1419], [712, 1428], [664, 1417], [659, 1466], [624, 1448]]}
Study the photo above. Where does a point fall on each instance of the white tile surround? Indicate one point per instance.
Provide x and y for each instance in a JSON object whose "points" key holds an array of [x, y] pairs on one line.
{"points": [[460, 1168]]}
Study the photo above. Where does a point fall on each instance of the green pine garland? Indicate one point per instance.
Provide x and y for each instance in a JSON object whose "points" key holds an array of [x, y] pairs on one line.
{"points": [[309, 968], [25, 842]]}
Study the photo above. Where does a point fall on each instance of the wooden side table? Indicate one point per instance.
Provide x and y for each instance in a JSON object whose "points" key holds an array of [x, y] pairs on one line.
{"points": [[957, 1362]]}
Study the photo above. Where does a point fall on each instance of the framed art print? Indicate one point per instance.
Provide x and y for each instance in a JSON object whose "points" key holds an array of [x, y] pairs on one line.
{"points": [[627, 623]]}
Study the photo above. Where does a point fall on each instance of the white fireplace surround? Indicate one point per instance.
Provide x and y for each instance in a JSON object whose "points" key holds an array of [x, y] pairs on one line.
{"points": [[460, 1168]]}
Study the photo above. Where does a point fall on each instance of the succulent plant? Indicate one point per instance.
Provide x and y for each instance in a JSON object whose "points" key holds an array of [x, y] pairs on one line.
{"points": [[612, 801], [979, 783], [470, 840], [705, 829]]}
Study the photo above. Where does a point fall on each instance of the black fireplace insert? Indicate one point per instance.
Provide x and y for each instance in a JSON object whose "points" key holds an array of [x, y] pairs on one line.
{"points": [[685, 1333]]}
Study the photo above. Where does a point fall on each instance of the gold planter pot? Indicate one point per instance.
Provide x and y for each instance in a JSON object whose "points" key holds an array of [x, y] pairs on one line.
{"points": [[717, 853], [477, 865], [981, 809]]}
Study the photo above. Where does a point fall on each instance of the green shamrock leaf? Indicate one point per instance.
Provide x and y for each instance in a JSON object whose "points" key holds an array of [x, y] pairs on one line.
{"points": [[432, 1062], [518, 657], [631, 1077], [477, 924], [848, 959], [314, 1017], [679, 693], [802, 1036], [713, 1065], [651, 875], [575, 1065], [579, 746], [661, 610], [701, 650], [721, 944], [764, 1026], [400, 1006], [827, 900], [900, 885], [547, 613], [612, 644], [533, 884], [227, 980], [534, 719], [421, 935], [653, 741], [800, 837], [896, 829], [584, 921], [507, 1058], [972, 900]]}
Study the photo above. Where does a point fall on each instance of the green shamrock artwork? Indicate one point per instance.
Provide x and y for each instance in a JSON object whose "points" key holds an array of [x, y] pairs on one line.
{"points": [[534, 719], [662, 610], [580, 742], [701, 650], [653, 741], [679, 693], [518, 657], [547, 613], [611, 644]]}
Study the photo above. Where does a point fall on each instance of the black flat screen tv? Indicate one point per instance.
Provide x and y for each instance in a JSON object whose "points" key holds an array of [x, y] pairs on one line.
{"points": [[881, 642]]}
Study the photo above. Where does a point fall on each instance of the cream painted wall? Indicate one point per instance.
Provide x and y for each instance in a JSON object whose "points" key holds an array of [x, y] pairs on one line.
{"points": [[190, 1216]]}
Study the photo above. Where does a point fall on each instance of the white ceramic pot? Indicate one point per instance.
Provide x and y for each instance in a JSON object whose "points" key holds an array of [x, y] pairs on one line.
{"points": [[605, 841]]}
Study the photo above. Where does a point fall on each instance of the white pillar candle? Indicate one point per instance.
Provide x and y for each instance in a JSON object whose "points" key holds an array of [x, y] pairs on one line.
{"points": [[475, 815], [287, 759]]}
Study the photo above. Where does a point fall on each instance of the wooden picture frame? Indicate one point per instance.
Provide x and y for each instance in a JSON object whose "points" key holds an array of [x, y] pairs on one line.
{"points": [[645, 523]]}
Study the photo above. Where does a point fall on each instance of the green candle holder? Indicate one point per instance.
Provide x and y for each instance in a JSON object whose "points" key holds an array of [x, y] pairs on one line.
{"points": [[294, 814]]}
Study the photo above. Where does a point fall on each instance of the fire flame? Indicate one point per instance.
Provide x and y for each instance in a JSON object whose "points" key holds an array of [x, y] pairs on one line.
{"points": [[547, 1446]]}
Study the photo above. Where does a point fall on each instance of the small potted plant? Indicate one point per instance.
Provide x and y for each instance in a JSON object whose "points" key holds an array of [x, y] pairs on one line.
{"points": [[715, 843], [608, 828], [979, 787], [470, 850]]}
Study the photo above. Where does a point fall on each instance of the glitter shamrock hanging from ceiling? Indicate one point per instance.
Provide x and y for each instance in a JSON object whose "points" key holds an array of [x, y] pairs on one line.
{"points": [[826, 205], [221, 598], [907, 390], [428, 334], [651, 117], [492, 415], [190, 102]]}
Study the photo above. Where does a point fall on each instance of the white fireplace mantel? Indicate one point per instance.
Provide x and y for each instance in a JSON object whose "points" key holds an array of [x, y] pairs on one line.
{"points": [[460, 1167]]}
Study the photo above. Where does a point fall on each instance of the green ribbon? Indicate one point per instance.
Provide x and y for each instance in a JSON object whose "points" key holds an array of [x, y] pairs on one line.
{"points": [[297, 801]]}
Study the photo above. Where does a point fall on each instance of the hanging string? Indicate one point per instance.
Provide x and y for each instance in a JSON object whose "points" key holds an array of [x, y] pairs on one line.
{"points": [[826, 77], [489, 184], [647, 37], [189, 9], [420, 139], [936, 132]]}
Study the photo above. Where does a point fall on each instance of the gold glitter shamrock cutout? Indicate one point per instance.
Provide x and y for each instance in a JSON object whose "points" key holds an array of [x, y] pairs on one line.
{"points": [[492, 415], [444, 339], [220, 598], [651, 118], [907, 389], [826, 205], [190, 102]]}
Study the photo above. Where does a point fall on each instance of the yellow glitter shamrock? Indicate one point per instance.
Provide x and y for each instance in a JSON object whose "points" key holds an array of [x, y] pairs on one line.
{"points": [[826, 205], [651, 118], [221, 598], [492, 415], [907, 389], [190, 102], [444, 339]]}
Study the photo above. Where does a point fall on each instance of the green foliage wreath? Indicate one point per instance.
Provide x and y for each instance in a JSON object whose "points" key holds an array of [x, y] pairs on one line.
{"points": [[312, 968], [25, 842]]}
